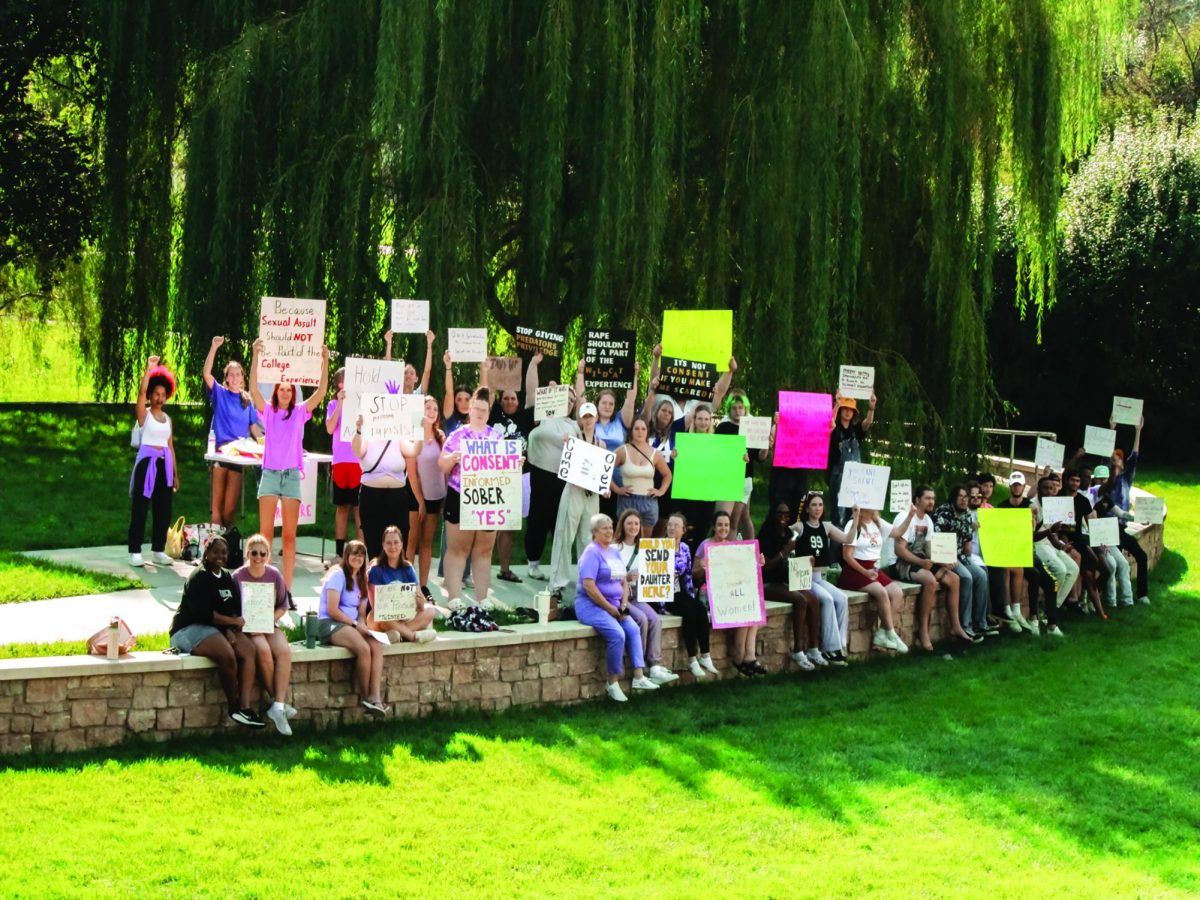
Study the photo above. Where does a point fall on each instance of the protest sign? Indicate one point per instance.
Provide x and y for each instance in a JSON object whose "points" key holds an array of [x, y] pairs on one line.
{"points": [[701, 335], [684, 378], [467, 345], [1148, 509], [756, 430], [535, 340], [586, 465], [293, 335], [735, 592], [1104, 532], [367, 376], [395, 602], [657, 571], [308, 495], [1127, 411], [392, 417], [856, 382], [800, 571], [503, 373], [709, 467], [1049, 454], [410, 316], [490, 488], [608, 360], [258, 607], [1057, 509], [802, 435], [1099, 440], [943, 548], [552, 402], [864, 486], [900, 498], [1006, 537]]}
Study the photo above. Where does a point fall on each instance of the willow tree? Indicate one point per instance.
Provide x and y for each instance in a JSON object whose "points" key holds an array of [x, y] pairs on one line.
{"points": [[827, 169]]}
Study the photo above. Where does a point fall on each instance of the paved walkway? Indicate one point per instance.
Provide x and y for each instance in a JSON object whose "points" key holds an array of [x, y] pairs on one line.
{"points": [[149, 610]]}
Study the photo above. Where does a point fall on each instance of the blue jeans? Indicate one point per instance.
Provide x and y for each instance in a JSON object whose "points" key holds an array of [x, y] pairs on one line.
{"points": [[973, 597], [617, 635]]}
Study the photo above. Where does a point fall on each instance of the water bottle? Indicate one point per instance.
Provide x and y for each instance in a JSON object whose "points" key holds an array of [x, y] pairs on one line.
{"points": [[310, 629], [114, 638]]}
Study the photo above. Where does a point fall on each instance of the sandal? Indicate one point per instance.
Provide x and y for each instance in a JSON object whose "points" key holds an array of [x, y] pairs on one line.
{"points": [[510, 576]]}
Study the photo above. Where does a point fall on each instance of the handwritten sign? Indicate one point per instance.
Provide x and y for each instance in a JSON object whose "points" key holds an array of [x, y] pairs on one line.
{"points": [[293, 333], [468, 345], [685, 378], [802, 436], [367, 376], [1049, 454], [703, 335], [392, 417], [503, 373], [1148, 510], [864, 486], [586, 465], [490, 488], [856, 382], [1127, 411], [735, 592], [608, 359], [900, 498], [308, 496], [943, 548], [1104, 532], [258, 608], [1099, 440], [1057, 509], [552, 402], [395, 602], [657, 572], [410, 316], [800, 571], [756, 430], [709, 467], [1006, 536], [535, 340]]}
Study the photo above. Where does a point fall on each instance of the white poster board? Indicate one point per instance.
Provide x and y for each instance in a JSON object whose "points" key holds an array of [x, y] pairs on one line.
{"points": [[367, 376], [1127, 411], [800, 572], [258, 608], [900, 497], [943, 548], [1149, 510], [308, 495], [552, 402], [757, 431], [586, 465], [735, 593], [490, 472], [503, 373], [395, 602], [410, 316], [293, 335], [1057, 509], [467, 345], [864, 486], [1104, 532], [656, 574], [392, 417], [1099, 440], [856, 382], [1049, 454]]}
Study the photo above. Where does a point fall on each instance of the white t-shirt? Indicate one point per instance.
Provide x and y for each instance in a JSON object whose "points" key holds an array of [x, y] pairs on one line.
{"points": [[916, 535], [868, 546]]}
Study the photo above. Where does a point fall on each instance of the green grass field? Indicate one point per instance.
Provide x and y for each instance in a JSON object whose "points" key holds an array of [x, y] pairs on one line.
{"points": [[24, 578]]}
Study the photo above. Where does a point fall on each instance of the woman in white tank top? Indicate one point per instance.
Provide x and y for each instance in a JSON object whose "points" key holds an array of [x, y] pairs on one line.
{"points": [[638, 463], [155, 476]]}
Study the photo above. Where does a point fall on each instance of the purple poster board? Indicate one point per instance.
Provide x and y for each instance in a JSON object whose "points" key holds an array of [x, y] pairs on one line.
{"points": [[802, 436]]}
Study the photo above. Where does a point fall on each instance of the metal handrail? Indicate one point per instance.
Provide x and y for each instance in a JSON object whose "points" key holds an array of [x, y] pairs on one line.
{"points": [[1013, 434]]}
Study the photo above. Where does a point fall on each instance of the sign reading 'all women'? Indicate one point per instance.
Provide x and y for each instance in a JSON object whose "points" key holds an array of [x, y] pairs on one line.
{"points": [[735, 591]]}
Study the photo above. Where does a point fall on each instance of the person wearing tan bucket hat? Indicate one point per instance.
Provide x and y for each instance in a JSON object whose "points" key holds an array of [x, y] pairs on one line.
{"points": [[845, 443]]}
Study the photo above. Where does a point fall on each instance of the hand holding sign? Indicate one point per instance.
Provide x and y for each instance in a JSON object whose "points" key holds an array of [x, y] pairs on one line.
{"points": [[395, 602], [552, 402], [1049, 454], [1104, 532], [657, 572], [856, 382], [1099, 440], [943, 548], [410, 316], [1127, 411], [735, 592], [901, 496], [800, 572], [258, 608]]}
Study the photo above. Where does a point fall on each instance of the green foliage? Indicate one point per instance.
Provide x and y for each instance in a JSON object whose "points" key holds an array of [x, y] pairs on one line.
{"points": [[24, 578]]}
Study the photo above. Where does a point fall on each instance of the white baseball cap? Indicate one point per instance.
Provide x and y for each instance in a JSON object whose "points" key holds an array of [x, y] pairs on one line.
{"points": [[587, 409], [1016, 478]]}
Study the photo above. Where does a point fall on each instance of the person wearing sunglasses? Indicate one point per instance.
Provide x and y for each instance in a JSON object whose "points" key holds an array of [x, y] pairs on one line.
{"points": [[271, 651]]}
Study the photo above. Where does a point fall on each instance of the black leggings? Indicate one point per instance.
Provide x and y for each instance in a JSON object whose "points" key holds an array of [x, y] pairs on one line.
{"points": [[1037, 579], [545, 493], [1130, 545], [695, 621], [379, 507], [159, 503]]}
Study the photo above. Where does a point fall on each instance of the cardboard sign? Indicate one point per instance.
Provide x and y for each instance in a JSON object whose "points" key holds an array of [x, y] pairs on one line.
{"points": [[1104, 532], [1127, 411], [702, 335], [392, 417], [1006, 537], [468, 345], [586, 465], [410, 316], [1148, 509], [608, 360], [800, 571], [900, 498], [863, 485], [735, 592], [308, 496], [709, 467], [657, 572], [552, 402], [258, 608], [686, 379], [943, 548], [1098, 440], [1049, 453], [503, 373], [1057, 509], [395, 602], [534, 340], [802, 436], [856, 382], [293, 333], [756, 430], [367, 376], [490, 473]]}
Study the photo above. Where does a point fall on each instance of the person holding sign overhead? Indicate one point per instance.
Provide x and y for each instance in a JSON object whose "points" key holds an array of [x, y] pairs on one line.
{"points": [[515, 421], [155, 476], [1117, 491], [845, 442], [234, 417], [383, 500], [411, 385], [343, 623], [611, 427], [391, 567], [745, 638], [272, 652], [283, 421], [861, 573], [638, 464]]}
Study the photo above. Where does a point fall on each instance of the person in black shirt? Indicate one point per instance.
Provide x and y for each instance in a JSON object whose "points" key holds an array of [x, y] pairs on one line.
{"points": [[736, 406], [845, 443], [777, 543], [515, 421], [1093, 571]]}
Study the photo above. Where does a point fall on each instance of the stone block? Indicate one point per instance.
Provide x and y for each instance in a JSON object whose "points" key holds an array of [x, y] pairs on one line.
{"points": [[527, 692], [464, 656], [156, 679], [570, 687], [540, 653], [154, 697], [512, 675], [472, 691], [563, 651], [486, 668], [501, 703], [6, 705], [581, 662], [86, 713], [494, 689], [317, 671], [41, 743], [51, 723], [185, 691], [310, 695], [104, 736], [46, 690], [169, 719], [433, 692], [20, 724], [511, 664], [116, 717], [514, 650], [414, 674], [464, 674], [140, 720], [15, 743], [207, 716], [406, 710], [552, 669], [403, 693]]}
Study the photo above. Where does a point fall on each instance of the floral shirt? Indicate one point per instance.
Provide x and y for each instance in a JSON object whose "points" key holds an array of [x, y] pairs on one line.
{"points": [[683, 570], [948, 518]]}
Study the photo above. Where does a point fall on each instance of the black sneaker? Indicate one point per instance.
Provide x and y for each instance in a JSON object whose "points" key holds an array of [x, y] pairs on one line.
{"points": [[973, 637], [837, 658], [291, 602], [248, 717], [756, 667], [427, 593], [992, 631]]}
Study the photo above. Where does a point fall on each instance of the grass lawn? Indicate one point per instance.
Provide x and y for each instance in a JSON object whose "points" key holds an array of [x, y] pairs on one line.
{"points": [[1026, 768], [24, 578]]}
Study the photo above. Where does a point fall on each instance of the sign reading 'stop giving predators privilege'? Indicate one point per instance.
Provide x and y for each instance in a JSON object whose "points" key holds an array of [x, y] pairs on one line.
{"points": [[293, 335]]}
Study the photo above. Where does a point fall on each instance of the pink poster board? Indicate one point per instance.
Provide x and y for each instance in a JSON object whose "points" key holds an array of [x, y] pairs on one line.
{"points": [[735, 588], [802, 436]]}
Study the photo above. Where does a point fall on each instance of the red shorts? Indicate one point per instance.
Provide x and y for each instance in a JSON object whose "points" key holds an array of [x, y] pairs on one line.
{"points": [[851, 579], [347, 475]]}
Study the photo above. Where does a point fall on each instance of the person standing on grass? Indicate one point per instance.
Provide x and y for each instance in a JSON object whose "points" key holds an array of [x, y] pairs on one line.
{"points": [[209, 623], [1116, 493], [913, 565], [272, 653], [515, 421], [745, 638], [343, 623], [390, 567], [283, 421], [686, 604], [626, 539], [816, 537], [346, 471], [155, 477], [860, 572], [234, 417], [813, 621], [845, 443]]}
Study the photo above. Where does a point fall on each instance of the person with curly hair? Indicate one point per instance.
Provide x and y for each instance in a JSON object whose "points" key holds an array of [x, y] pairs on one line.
{"points": [[155, 477]]}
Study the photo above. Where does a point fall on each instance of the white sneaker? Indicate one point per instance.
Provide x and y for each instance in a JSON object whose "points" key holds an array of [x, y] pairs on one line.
{"points": [[706, 664], [694, 668], [290, 710], [662, 675], [1022, 624], [1129, 602], [489, 603], [817, 659], [161, 559], [643, 684], [615, 692], [1034, 628], [898, 645], [1014, 624], [135, 559], [802, 660], [425, 635], [1054, 631], [536, 573], [456, 604], [882, 641], [278, 715], [1145, 601]]}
